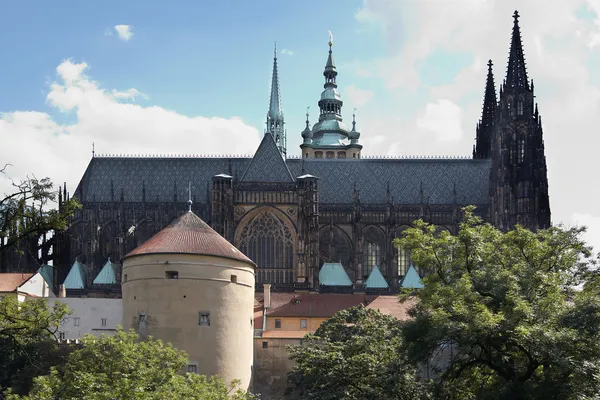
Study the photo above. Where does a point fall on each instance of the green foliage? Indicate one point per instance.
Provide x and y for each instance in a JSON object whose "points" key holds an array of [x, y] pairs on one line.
{"points": [[354, 355], [123, 367], [509, 309], [26, 212], [28, 347]]}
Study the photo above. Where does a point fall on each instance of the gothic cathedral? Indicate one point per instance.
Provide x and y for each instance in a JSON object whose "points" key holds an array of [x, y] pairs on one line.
{"points": [[291, 214]]}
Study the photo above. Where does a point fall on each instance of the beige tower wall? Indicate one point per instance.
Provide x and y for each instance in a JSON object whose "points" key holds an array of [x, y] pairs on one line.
{"points": [[169, 309]]}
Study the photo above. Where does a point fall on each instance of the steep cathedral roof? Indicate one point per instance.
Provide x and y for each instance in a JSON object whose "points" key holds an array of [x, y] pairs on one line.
{"points": [[411, 181], [189, 234], [267, 165]]}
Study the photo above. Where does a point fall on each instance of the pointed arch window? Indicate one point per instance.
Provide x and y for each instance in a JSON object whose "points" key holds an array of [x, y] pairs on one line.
{"points": [[269, 243], [509, 105], [521, 151], [403, 262], [373, 248], [520, 106]]}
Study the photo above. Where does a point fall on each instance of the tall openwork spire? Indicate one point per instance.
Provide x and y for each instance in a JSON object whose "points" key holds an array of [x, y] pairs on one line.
{"points": [[516, 73], [488, 114], [275, 120], [275, 103]]}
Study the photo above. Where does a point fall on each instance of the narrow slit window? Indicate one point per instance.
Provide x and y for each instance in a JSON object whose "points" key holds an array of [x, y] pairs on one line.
{"points": [[233, 278]]}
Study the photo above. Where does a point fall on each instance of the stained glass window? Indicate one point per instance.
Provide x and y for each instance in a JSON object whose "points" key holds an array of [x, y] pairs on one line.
{"points": [[269, 243]]}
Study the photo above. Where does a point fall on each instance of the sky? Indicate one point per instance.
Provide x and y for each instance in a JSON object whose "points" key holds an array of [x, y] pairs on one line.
{"points": [[193, 77]]}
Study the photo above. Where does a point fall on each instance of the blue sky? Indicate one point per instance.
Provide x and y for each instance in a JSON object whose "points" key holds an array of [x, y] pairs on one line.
{"points": [[194, 77]]}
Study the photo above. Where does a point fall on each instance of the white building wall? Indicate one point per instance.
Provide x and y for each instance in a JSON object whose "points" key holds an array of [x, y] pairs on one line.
{"points": [[94, 316], [36, 286]]}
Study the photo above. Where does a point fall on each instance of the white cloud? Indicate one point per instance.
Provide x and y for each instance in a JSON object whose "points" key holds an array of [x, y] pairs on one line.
{"points": [[125, 32], [287, 52], [357, 97], [442, 118], [557, 46], [36, 144]]}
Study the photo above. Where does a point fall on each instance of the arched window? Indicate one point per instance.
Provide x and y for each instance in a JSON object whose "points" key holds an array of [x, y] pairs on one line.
{"points": [[373, 250], [269, 243], [403, 262], [520, 106], [509, 105], [334, 246]]}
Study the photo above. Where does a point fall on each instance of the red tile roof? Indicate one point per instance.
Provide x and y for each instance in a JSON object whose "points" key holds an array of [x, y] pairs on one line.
{"points": [[312, 305], [9, 282], [188, 234], [391, 306], [325, 305]]}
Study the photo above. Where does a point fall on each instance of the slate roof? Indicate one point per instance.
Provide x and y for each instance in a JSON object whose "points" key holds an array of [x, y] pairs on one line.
{"points": [[189, 234], [162, 178], [268, 164]]}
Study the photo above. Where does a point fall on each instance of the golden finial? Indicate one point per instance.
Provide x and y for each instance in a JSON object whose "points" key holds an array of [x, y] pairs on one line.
{"points": [[330, 39]]}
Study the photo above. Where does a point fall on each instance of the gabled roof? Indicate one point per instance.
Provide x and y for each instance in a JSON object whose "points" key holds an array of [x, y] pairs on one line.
{"points": [[268, 164], [9, 282], [189, 234], [76, 277], [47, 272], [376, 280], [333, 274], [107, 275], [412, 279]]}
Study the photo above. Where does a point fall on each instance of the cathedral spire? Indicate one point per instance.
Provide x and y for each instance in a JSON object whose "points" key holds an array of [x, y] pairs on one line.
{"points": [[516, 73], [275, 111], [275, 120], [488, 114]]}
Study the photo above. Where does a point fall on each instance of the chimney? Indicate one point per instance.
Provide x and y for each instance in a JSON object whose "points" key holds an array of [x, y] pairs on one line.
{"points": [[267, 295], [62, 292]]}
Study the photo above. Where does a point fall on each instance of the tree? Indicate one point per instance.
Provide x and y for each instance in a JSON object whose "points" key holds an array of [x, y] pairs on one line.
{"points": [[123, 367], [356, 354], [25, 212], [28, 346], [517, 313]]}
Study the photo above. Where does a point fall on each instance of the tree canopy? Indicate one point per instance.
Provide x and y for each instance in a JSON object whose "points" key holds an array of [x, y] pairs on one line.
{"points": [[28, 347], [516, 314], [123, 367], [354, 355], [27, 211]]}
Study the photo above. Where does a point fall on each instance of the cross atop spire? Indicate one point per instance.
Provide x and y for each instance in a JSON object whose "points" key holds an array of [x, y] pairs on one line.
{"points": [[516, 73]]}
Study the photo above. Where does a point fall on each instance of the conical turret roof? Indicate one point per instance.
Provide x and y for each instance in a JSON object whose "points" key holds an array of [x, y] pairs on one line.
{"points": [[189, 234]]}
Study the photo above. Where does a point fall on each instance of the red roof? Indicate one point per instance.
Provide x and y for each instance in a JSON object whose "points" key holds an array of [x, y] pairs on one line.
{"points": [[322, 305], [9, 282], [188, 234]]}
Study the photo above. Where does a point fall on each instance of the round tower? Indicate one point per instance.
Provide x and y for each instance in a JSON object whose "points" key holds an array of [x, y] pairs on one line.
{"points": [[189, 286]]}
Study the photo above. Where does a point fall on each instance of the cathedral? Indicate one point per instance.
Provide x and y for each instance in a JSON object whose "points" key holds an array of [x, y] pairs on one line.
{"points": [[292, 212]]}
